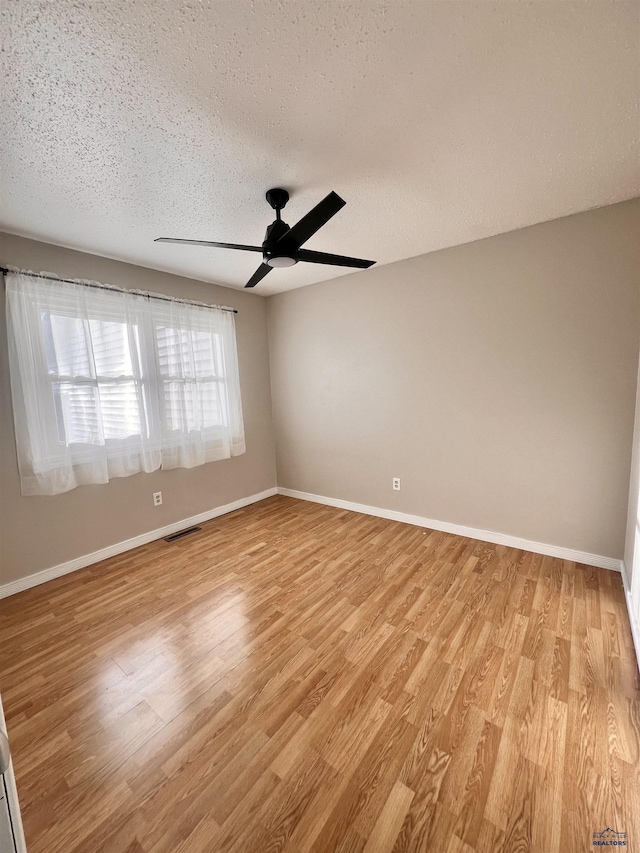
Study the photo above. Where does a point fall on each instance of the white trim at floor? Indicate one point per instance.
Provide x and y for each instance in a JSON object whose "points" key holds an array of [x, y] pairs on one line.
{"points": [[461, 530], [473, 533], [120, 547], [635, 625]]}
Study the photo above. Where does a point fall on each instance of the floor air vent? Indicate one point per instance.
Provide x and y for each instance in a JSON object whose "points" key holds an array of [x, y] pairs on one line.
{"points": [[181, 533]]}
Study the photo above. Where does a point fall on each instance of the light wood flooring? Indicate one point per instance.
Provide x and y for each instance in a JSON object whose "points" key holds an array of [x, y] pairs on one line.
{"points": [[300, 678]]}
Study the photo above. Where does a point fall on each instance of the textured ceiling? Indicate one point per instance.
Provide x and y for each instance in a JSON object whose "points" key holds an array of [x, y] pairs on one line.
{"points": [[438, 122]]}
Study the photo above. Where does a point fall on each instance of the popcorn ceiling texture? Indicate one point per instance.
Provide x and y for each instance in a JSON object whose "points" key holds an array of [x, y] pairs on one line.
{"points": [[439, 123]]}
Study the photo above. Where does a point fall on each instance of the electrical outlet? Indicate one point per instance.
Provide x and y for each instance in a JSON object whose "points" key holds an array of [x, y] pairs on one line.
{"points": [[396, 484], [157, 498]]}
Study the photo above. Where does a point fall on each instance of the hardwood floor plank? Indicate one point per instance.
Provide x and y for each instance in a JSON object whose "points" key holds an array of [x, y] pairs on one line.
{"points": [[390, 820], [299, 678]]}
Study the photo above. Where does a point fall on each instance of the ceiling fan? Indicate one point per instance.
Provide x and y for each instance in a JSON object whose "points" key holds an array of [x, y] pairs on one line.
{"points": [[282, 244]]}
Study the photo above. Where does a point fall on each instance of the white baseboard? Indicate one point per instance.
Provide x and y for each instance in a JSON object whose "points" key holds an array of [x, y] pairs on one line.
{"points": [[473, 533], [461, 530], [120, 547], [635, 625]]}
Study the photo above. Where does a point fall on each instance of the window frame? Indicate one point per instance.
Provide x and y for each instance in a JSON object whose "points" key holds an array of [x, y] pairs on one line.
{"points": [[48, 457]]}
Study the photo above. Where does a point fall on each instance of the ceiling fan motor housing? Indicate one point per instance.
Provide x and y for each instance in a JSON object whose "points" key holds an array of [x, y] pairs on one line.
{"points": [[274, 254]]}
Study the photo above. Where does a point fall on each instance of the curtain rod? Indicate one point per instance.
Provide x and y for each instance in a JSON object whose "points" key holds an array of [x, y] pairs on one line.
{"points": [[4, 271]]}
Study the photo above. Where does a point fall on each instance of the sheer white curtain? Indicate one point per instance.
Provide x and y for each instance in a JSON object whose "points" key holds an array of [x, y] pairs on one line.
{"points": [[107, 383], [199, 389]]}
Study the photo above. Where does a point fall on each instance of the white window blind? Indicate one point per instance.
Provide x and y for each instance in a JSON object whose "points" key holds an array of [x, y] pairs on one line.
{"points": [[107, 383]]}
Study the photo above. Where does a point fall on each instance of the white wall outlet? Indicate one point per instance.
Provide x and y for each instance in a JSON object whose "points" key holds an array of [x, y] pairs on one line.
{"points": [[157, 498], [396, 484]]}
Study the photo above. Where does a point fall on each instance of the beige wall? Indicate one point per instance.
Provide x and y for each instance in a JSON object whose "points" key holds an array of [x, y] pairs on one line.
{"points": [[40, 532], [631, 554], [497, 379]]}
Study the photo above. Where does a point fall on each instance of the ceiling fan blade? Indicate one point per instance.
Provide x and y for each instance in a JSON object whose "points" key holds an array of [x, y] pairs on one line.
{"points": [[258, 275], [313, 221], [334, 260], [209, 243]]}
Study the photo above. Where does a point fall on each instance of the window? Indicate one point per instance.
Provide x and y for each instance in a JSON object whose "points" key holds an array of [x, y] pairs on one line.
{"points": [[107, 383]]}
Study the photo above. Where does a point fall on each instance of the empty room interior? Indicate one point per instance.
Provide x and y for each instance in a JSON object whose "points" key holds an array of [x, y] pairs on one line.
{"points": [[320, 426]]}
